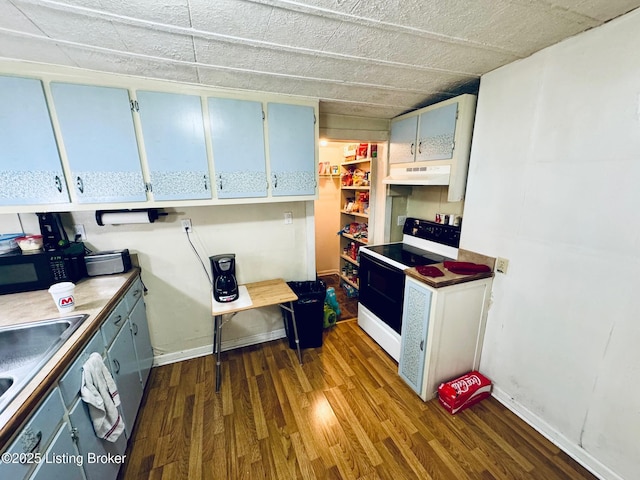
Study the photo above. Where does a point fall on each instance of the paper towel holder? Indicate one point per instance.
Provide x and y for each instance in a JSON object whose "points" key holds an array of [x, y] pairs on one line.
{"points": [[124, 216]]}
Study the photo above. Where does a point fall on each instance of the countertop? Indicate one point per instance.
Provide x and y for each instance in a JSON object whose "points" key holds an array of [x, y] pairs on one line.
{"points": [[95, 296]]}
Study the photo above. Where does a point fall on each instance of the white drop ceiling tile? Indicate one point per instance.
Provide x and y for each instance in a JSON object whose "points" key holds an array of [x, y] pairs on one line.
{"points": [[73, 27], [32, 50], [230, 17], [299, 29], [174, 12], [155, 43], [602, 11], [128, 65], [13, 19], [410, 50]]}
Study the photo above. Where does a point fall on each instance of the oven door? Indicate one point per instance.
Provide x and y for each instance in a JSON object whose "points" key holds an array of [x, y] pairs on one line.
{"points": [[381, 290]]}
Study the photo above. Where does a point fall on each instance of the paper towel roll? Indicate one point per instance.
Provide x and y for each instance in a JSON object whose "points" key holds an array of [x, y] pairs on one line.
{"points": [[125, 217]]}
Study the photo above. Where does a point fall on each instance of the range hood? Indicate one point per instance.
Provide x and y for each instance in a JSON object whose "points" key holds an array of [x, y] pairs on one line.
{"points": [[418, 175]]}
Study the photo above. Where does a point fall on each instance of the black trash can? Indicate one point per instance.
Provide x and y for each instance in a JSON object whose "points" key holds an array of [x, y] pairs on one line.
{"points": [[309, 310]]}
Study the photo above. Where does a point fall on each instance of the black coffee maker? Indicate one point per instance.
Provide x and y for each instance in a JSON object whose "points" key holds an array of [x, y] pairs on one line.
{"points": [[225, 286]]}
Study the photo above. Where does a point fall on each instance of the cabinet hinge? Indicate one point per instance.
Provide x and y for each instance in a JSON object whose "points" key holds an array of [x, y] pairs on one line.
{"points": [[148, 187]]}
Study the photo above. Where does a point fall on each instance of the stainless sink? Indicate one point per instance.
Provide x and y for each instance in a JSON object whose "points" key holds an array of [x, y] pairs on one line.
{"points": [[25, 348]]}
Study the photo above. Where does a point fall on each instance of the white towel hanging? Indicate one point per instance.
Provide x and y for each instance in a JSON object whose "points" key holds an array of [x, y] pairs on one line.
{"points": [[100, 393]]}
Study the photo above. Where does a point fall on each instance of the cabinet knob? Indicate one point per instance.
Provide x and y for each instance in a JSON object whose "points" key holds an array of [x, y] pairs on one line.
{"points": [[422, 345], [58, 184], [80, 185], [206, 184], [134, 327], [420, 146], [413, 146], [220, 182], [117, 321], [74, 434], [275, 181], [116, 363]]}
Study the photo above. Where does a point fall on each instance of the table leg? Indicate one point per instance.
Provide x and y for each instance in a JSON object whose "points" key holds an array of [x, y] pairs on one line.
{"points": [[295, 331], [216, 349]]}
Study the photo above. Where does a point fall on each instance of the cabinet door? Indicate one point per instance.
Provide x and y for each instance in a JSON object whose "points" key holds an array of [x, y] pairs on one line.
{"points": [[141, 340], [402, 141], [436, 133], [415, 324], [63, 460], [124, 368], [100, 142], [88, 444], [173, 133], [237, 141], [30, 169], [34, 436], [291, 149]]}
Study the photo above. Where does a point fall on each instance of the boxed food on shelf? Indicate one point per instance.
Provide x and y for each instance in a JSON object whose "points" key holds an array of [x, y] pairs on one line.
{"points": [[362, 151], [350, 151]]}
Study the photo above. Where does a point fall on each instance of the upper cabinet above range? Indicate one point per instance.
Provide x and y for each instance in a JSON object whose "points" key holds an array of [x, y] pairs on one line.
{"points": [[431, 146], [78, 140]]}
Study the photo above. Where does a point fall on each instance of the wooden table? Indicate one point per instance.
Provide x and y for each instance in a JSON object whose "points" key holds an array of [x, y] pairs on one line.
{"points": [[260, 294]]}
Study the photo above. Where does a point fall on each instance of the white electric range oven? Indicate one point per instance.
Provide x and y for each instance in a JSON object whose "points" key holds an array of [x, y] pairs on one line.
{"points": [[382, 278]]}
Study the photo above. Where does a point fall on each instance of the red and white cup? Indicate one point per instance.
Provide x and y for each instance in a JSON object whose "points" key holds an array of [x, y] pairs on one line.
{"points": [[63, 296]]}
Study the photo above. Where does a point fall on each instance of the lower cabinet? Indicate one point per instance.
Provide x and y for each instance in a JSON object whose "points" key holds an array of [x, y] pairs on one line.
{"points": [[58, 440], [44, 448], [442, 332], [141, 340], [124, 368], [61, 460], [101, 461]]}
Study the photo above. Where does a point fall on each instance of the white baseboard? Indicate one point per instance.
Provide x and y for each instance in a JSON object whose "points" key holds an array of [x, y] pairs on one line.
{"points": [[558, 439], [168, 358]]}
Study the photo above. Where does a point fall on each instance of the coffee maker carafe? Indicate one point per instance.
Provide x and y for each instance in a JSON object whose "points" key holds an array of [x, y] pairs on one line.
{"points": [[225, 286]]}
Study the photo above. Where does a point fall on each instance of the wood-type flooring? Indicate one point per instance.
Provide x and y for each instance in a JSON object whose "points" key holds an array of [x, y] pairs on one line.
{"points": [[344, 414]]}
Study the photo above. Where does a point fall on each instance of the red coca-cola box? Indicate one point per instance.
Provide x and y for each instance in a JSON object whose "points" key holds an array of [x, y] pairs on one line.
{"points": [[464, 391]]}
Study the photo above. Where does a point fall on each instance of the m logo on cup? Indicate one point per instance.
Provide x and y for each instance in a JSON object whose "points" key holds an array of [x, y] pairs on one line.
{"points": [[66, 301]]}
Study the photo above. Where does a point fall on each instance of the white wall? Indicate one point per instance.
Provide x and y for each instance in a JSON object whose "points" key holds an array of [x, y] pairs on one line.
{"points": [[179, 297], [554, 186]]}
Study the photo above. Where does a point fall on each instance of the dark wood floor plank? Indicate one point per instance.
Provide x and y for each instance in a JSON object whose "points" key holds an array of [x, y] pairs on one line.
{"points": [[343, 414]]}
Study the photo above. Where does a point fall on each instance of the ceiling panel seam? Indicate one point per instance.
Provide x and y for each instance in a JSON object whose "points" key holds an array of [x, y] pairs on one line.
{"points": [[345, 83], [206, 35]]}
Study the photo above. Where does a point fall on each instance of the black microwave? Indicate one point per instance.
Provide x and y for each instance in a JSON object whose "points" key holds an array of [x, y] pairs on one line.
{"points": [[23, 272]]}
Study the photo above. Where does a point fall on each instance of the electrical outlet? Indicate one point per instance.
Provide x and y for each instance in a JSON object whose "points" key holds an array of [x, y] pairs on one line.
{"points": [[186, 225], [502, 265], [79, 232], [288, 218], [401, 220]]}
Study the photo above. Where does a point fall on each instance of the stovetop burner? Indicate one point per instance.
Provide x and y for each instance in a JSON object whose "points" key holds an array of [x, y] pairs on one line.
{"points": [[407, 255]]}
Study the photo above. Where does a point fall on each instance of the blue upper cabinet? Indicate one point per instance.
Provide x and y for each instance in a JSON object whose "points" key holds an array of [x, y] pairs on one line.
{"points": [[173, 133], [237, 141], [436, 133], [291, 149], [100, 142], [402, 142], [30, 169]]}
